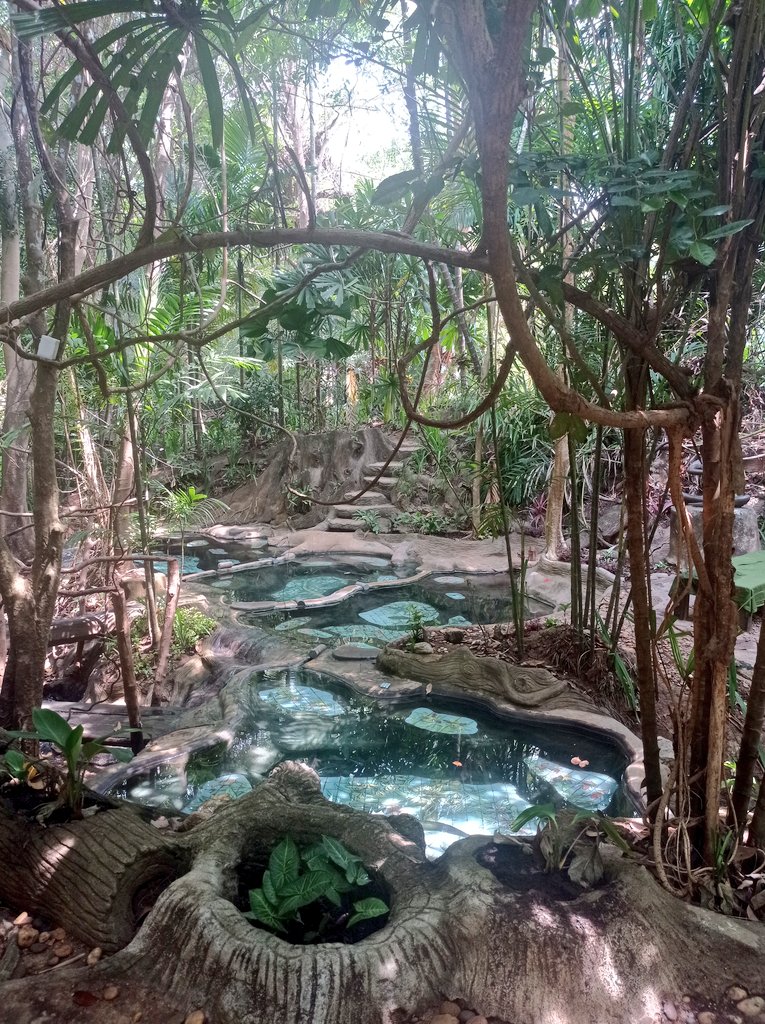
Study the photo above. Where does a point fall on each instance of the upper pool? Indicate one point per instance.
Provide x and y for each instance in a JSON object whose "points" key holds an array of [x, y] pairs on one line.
{"points": [[458, 769], [383, 614], [303, 579]]}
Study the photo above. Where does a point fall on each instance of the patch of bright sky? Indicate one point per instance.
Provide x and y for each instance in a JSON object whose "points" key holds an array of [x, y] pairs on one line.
{"points": [[370, 139]]}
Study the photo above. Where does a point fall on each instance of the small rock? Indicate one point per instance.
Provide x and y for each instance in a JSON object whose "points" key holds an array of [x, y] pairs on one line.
{"points": [[752, 1006], [196, 1017], [444, 1018], [52, 961], [22, 919], [44, 936], [670, 1011], [706, 1017], [27, 936], [160, 822], [736, 993], [62, 950], [480, 1019], [94, 956], [466, 1015], [58, 935], [449, 1007], [138, 1015], [38, 947], [422, 647], [110, 992]]}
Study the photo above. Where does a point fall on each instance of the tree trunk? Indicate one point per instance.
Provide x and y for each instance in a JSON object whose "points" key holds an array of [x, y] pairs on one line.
{"points": [[749, 751], [634, 499]]}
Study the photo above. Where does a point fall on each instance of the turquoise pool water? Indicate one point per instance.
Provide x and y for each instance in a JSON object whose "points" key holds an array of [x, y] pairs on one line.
{"points": [[383, 615], [459, 770], [302, 579]]}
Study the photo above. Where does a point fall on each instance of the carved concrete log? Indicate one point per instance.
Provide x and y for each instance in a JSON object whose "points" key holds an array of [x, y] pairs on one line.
{"points": [[96, 878], [617, 954], [524, 687]]}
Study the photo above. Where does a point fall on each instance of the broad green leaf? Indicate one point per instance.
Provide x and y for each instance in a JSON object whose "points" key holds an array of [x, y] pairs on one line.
{"points": [[703, 253], [261, 910], [121, 754], [303, 890], [729, 229], [212, 88], [586, 868], [51, 726], [538, 812], [333, 896], [339, 855], [366, 909], [360, 876], [624, 201], [559, 425], [15, 761], [284, 863], [571, 108], [715, 211], [269, 890], [394, 187], [73, 747]]}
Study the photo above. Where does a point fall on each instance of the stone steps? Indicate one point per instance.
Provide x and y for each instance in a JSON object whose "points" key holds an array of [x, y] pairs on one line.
{"points": [[366, 499], [386, 483], [394, 468], [349, 511], [343, 526]]}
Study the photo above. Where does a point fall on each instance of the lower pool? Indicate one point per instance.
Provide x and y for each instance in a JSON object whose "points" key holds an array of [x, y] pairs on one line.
{"points": [[459, 770]]}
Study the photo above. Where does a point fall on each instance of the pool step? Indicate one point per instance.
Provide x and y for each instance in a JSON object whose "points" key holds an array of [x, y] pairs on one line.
{"points": [[349, 511], [344, 525], [385, 483], [392, 469], [366, 499]]}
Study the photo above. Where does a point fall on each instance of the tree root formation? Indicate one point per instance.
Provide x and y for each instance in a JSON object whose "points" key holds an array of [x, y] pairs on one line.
{"points": [[614, 954]]}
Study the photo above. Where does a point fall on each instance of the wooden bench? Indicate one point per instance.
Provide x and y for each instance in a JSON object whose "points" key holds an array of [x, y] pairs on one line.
{"points": [[748, 583]]}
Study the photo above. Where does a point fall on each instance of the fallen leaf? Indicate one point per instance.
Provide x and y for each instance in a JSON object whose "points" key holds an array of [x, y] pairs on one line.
{"points": [[84, 998]]}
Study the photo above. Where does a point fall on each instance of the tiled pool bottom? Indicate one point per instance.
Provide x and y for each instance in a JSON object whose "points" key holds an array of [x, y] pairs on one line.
{"points": [[459, 771], [380, 616]]}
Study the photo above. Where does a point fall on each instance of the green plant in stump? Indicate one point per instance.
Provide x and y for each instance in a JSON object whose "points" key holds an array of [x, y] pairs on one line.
{"points": [[50, 727], [415, 627], [571, 840], [309, 891]]}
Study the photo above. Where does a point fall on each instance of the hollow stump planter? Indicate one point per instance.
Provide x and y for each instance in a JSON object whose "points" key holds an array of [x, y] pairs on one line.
{"points": [[195, 935], [616, 955]]}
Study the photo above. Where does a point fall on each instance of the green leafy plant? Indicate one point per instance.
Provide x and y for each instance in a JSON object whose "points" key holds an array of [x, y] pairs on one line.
{"points": [[415, 628], [306, 893], [571, 841], [189, 627], [189, 509], [369, 518], [426, 522], [50, 727]]}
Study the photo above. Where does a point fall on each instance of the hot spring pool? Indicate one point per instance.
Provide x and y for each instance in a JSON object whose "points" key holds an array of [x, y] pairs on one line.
{"points": [[303, 579], [383, 615], [459, 770]]}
